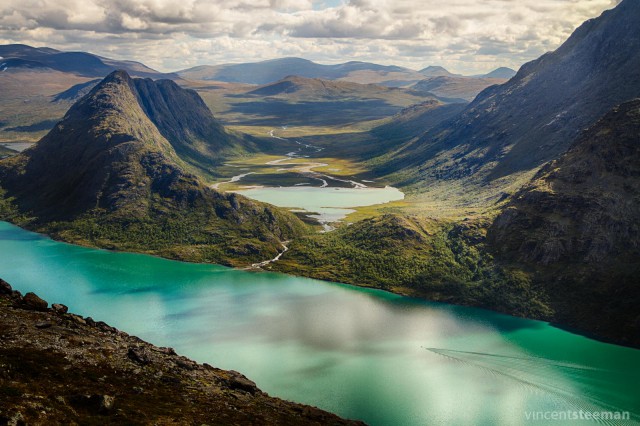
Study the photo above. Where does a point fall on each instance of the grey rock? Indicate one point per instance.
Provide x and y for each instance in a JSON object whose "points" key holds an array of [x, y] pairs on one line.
{"points": [[240, 382], [60, 308]]}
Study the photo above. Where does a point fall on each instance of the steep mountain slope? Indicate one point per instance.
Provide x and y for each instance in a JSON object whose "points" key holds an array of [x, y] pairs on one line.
{"points": [[577, 225], [531, 119], [182, 117], [409, 122], [111, 174], [38, 85], [277, 69]]}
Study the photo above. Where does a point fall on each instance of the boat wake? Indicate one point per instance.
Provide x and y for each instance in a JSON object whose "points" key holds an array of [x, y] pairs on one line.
{"points": [[537, 374]]}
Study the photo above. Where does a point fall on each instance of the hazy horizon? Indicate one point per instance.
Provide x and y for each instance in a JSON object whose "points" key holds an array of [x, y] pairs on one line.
{"points": [[464, 36]]}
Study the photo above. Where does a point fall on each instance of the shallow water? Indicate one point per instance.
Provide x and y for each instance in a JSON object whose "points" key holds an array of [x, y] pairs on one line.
{"points": [[330, 203], [366, 354]]}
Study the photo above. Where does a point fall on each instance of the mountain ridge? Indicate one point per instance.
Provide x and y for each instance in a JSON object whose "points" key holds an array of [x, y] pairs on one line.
{"points": [[81, 63], [109, 173], [516, 127]]}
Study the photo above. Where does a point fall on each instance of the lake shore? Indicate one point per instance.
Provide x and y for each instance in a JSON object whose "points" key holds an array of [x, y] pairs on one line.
{"points": [[90, 371]]}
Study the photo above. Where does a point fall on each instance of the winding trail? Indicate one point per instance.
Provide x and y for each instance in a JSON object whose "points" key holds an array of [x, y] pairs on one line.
{"points": [[305, 169], [260, 265]]}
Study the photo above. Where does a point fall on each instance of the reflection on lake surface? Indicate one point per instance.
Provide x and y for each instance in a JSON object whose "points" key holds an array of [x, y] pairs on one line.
{"points": [[364, 354]]}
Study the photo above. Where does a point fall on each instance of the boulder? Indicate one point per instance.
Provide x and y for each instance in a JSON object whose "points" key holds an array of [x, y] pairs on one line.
{"points": [[43, 324], [239, 382], [59, 308], [139, 356], [5, 287], [32, 301]]}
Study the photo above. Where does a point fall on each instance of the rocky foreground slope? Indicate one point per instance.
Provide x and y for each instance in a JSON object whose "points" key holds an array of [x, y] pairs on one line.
{"points": [[60, 368]]}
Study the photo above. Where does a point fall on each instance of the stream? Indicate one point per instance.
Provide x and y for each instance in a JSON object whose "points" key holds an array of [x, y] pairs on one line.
{"points": [[326, 203]]}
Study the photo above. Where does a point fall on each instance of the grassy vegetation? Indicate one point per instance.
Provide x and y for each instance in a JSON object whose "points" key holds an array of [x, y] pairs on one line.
{"points": [[435, 259], [27, 109], [309, 103], [231, 231], [304, 131]]}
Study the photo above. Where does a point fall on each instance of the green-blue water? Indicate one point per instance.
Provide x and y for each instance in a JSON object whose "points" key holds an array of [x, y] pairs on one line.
{"points": [[360, 353], [331, 204]]}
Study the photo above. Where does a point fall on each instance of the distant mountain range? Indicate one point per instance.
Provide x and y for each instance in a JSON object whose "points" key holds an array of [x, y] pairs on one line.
{"points": [[21, 56], [40, 84], [308, 89], [464, 88], [114, 172], [358, 72]]}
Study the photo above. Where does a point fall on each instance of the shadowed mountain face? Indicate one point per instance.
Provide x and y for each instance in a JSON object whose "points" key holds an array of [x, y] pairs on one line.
{"points": [[578, 223], [534, 117], [116, 161], [182, 117]]}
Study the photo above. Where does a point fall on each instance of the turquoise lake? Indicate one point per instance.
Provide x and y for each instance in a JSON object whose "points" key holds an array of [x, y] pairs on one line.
{"points": [[365, 354]]}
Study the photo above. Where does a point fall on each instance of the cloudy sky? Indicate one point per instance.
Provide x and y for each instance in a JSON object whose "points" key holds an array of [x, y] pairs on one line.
{"points": [[467, 36]]}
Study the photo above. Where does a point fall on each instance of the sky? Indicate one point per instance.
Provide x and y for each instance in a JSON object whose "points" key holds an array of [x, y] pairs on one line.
{"points": [[464, 36]]}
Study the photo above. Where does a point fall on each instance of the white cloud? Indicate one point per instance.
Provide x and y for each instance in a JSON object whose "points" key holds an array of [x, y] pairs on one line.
{"points": [[133, 23], [464, 35]]}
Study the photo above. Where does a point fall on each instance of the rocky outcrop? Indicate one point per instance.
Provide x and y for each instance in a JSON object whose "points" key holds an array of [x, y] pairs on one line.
{"points": [[577, 226], [79, 371]]}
